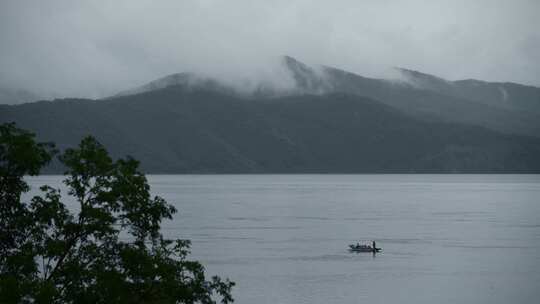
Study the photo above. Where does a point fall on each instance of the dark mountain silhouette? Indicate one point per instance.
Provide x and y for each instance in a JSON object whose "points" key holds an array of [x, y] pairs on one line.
{"points": [[181, 129], [504, 107]]}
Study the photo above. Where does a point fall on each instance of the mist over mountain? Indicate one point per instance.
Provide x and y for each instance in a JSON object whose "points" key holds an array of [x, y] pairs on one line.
{"points": [[16, 96], [504, 107], [183, 128], [188, 80], [506, 95], [318, 119]]}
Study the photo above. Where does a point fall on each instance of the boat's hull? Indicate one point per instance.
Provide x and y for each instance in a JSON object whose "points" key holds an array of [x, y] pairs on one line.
{"points": [[363, 249]]}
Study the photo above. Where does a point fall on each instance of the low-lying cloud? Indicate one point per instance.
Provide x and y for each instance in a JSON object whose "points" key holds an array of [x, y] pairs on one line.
{"points": [[96, 48]]}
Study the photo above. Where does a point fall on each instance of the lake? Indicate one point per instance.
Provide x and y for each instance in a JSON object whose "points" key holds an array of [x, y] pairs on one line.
{"points": [[283, 238]]}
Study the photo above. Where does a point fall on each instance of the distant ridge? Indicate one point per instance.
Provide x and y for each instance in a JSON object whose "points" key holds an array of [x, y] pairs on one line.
{"points": [[188, 80], [441, 94], [197, 130], [329, 121], [506, 95], [504, 107]]}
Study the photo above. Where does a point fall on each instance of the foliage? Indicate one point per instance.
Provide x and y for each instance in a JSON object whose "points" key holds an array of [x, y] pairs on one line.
{"points": [[111, 251]]}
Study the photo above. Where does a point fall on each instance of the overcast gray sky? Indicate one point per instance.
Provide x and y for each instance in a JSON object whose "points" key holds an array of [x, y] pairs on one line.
{"points": [[97, 47]]}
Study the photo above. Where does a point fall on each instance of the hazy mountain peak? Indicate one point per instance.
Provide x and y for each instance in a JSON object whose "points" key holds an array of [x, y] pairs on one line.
{"points": [[295, 65], [417, 74], [161, 83], [307, 79], [422, 80], [504, 95], [298, 78]]}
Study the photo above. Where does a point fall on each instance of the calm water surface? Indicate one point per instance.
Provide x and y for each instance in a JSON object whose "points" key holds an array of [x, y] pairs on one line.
{"points": [[283, 238]]}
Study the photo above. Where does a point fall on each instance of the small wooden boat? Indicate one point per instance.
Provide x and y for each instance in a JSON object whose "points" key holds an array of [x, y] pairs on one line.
{"points": [[363, 248]]}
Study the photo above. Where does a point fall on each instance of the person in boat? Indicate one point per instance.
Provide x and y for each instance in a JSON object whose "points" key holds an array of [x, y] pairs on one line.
{"points": [[374, 245]]}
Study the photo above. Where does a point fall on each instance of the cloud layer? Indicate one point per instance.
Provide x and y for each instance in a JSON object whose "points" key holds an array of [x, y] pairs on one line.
{"points": [[95, 48]]}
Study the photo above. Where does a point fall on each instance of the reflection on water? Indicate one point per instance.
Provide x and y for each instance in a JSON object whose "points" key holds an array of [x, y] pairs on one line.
{"points": [[284, 238]]}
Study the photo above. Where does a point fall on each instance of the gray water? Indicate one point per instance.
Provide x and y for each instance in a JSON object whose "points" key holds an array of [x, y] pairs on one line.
{"points": [[283, 238]]}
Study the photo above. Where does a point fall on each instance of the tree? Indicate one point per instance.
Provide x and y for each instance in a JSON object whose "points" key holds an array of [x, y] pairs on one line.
{"points": [[110, 251]]}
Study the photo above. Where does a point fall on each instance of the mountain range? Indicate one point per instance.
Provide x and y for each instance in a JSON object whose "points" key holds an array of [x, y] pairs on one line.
{"points": [[330, 121]]}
